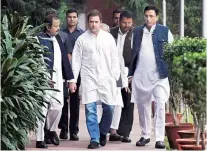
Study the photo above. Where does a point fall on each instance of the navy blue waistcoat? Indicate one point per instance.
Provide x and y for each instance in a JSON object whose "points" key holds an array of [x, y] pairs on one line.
{"points": [[66, 67], [159, 37]]}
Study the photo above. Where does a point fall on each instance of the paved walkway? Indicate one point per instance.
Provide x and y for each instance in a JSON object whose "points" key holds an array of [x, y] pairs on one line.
{"points": [[84, 139]]}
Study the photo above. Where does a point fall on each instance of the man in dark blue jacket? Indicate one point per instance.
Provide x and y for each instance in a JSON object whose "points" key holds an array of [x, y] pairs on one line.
{"points": [[150, 75], [59, 69], [73, 33]]}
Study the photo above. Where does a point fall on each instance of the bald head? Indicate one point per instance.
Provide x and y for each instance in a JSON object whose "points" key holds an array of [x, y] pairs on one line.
{"points": [[105, 27]]}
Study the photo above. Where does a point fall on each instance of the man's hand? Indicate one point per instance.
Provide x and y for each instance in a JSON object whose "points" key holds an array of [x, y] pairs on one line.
{"points": [[51, 83], [130, 79], [72, 87], [127, 89]]}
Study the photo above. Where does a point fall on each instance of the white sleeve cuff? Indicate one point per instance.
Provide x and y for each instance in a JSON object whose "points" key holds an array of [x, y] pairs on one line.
{"points": [[72, 80]]}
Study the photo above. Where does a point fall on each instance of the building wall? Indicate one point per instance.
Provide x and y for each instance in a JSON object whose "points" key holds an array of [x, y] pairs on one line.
{"points": [[101, 6]]}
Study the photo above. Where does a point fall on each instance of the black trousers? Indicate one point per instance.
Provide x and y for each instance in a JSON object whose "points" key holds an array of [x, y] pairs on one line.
{"points": [[127, 115], [74, 112]]}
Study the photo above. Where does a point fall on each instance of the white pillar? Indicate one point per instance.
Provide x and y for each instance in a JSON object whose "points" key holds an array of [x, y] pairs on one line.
{"points": [[182, 18], [164, 12], [204, 19]]}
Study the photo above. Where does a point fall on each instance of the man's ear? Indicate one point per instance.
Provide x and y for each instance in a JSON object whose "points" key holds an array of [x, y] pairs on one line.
{"points": [[158, 17], [48, 27]]}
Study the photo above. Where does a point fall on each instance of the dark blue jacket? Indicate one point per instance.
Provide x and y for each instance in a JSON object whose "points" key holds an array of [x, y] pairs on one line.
{"points": [[159, 37], [66, 67]]}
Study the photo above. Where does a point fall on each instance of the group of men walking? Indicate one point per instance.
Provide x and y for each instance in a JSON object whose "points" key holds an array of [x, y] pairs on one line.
{"points": [[115, 68]]}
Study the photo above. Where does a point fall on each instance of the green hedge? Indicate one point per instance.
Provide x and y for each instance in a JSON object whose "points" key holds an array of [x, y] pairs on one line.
{"points": [[23, 81]]}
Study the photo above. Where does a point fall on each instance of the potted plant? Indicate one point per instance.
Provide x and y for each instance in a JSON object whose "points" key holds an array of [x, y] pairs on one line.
{"points": [[171, 50], [187, 57], [193, 67], [23, 81]]}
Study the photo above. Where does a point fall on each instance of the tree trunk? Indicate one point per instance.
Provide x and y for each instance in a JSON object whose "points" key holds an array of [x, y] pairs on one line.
{"points": [[198, 131]]}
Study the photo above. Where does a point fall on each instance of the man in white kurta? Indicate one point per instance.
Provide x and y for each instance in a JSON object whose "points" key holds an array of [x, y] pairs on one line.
{"points": [[123, 117], [59, 63], [147, 82], [53, 113], [95, 56]]}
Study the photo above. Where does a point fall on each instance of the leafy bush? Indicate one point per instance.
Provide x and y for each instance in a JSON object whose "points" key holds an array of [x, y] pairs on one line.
{"points": [[23, 81], [187, 59], [173, 53]]}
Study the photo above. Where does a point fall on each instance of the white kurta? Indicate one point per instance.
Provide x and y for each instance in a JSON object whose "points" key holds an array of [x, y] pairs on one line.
{"points": [[57, 77], [124, 70], [146, 76], [147, 86], [96, 58], [120, 46], [53, 113]]}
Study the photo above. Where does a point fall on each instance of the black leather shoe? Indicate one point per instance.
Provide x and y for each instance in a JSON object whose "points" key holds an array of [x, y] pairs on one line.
{"points": [[102, 139], [41, 144], [160, 145], [93, 145], [63, 134], [115, 137], [126, 140], [54, 138], [74, 137], [142, 141], [47, 138], [47, 141]]}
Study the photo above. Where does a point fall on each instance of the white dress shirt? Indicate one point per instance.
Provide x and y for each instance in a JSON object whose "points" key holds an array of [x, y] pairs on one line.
{"points": [[120, 46]]}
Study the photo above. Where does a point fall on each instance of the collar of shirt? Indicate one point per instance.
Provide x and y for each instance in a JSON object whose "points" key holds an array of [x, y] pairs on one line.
{"points": [[120, 32], [76, 29], [145, 30], [94, 34], [49, 37]]}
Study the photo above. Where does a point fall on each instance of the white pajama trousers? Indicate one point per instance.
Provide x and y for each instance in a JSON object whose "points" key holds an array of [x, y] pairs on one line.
{"points": [[53, 115], [144, 111], [116, 115]]}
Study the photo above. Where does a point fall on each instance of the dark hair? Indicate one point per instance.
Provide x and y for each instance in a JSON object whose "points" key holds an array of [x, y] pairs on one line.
{"points": [[126, 14], [54, 12], [152, 8], [49, 19], [71, 10], [116, 11], [94, 12]]}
